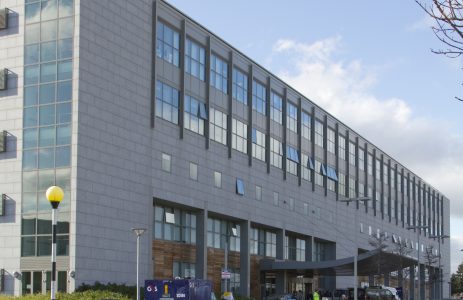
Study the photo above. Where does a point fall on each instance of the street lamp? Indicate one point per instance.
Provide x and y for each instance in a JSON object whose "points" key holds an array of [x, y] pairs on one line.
{"points": [[54, 195], [418, 258], [364, 199], [138, 232], [439, 238]]}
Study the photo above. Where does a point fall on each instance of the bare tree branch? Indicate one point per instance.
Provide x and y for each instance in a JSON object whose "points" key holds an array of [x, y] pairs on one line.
{"points": [[448, 15]]}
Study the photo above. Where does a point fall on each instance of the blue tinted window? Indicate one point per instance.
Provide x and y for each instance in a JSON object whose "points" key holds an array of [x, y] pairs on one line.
{"points": [[46, 158], [48, 51], [167, 46], [258, 97], [47, 136], [30, 117], [239, 187], [30, 138], [219, 74], [47, 93], [64, 91], [276, 107], [65, 48], [195, 58], [166, 102], [31, 54], [63, 156], [240, 86], [30, 95]]}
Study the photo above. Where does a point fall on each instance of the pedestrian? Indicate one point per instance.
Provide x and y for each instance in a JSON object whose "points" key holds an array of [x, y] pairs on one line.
{"points": [[316, 295]]}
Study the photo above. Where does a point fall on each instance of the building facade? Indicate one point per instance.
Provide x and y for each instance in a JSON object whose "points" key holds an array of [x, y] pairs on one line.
{"points": [[147, 119]]}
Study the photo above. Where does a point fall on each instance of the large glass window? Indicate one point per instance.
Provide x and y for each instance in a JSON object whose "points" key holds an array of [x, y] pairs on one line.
{"points": [[219, 231], [386, 173], [276, 107], [183, 270], [352, 182], [352, 156], [195, 57], [174, 224], [166, 102], [342, 184], [219, 74], [318, 133], [306, 165], [240, 86], [258, 144], [370, 164], [168, 43], [342, 147], [319, 170], [306, 125], [239, 136], [258, 97], [292, 160], [361, 159], [218, 126], [291, 117], [330, 140], [276, 153], [195, 114], [378, 169]]}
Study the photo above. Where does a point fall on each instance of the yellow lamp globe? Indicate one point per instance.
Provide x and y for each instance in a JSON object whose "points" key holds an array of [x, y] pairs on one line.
{"points": [[55, 194]]}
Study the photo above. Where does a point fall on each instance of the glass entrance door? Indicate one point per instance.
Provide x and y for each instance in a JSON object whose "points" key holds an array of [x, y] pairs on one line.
{"points": [[38, 282]]}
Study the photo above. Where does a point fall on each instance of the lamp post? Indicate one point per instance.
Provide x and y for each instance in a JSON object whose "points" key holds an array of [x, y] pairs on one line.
{"points": [[364, 199], [138, 232], [418, 258], [439, 238], [54, 195]]}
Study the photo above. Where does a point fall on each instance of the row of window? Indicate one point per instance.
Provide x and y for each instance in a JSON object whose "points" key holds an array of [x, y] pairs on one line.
{"points": [[168, 49]]}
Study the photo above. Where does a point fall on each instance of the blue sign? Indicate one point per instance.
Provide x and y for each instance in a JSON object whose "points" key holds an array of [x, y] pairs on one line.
{"points": [[178, 289]]}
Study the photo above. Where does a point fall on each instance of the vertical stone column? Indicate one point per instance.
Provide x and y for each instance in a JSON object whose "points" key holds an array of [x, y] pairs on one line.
{"points": [[422, 281], [411, 291], [245, 258], [386, 279]]}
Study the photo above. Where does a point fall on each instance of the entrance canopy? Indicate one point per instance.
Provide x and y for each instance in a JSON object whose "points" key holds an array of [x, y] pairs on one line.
{"points": [[367, 264]]}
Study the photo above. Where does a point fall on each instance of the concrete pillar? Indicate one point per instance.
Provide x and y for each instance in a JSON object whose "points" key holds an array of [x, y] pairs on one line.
{"points": [[280, 276], [422, 282], [245, 259], [400, 278], [201, 244], [386, 279], [371, 280], [411, 292], [308, 248]]}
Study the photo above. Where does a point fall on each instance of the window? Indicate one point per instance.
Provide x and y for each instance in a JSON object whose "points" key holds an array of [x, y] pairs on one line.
{"points": [[318, 133], [195, 57], [239, 136], [195, 114], [240, 86], [217, 179], [292, 160], [362, 191], [239, 187], [342, 147], [167, 46], [258, 144], [300, 250], [258, 97], [361, 159], [183, 270], [332, 178], [276, 153], [193, 171], [392, 178], [275, 198], [166, 162], [218, 126], [399, 182], [270, 244], [352, 157], [330, 139], [352, 182], [218, 231], [385, 173], [174, 224], [306, 165], [378, 169], [258, 193], [291, 204], [319, 169], [306, 209], [276, 107], [342, 184], [166, 102], [306, 125], [219, 74], [254, 241], [370, 164], [291, 117]]}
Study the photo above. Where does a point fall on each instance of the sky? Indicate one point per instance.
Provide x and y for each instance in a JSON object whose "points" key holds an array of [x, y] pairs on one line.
{"points": [[369, 64]]}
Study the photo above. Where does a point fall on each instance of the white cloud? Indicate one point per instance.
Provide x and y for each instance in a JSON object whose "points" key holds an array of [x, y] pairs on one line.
{"points": [[429, 147]]}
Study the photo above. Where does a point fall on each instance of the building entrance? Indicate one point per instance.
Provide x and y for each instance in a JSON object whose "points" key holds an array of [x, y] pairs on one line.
{"points": [[38, 282]]}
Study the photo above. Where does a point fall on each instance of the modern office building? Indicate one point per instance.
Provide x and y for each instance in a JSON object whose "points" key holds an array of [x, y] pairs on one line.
{"points": [[147, 119]]}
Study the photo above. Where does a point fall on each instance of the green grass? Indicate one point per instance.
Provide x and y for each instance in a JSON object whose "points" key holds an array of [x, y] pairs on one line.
{"points": [[87, 295]]}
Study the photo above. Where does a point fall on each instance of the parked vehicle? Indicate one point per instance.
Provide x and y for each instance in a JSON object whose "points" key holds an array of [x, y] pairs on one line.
{"points": [[280, 297], [383, 292], [360, 294]]}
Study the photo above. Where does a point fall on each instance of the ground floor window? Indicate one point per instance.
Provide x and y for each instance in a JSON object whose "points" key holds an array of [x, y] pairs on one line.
{"points": [[184, 270]]}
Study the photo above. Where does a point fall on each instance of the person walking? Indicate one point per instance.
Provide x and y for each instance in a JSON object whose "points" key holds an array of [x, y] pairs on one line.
{"points": [[316, 295]]}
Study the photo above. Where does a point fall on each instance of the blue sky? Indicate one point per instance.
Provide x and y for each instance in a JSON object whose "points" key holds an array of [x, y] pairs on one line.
{"points": [[369, 64]]}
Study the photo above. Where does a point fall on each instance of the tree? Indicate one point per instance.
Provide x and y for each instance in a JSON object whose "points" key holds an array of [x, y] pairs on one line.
{"points": [[448, 15], [430, 259], [401, 248], [457, 280], [379, 243]]}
